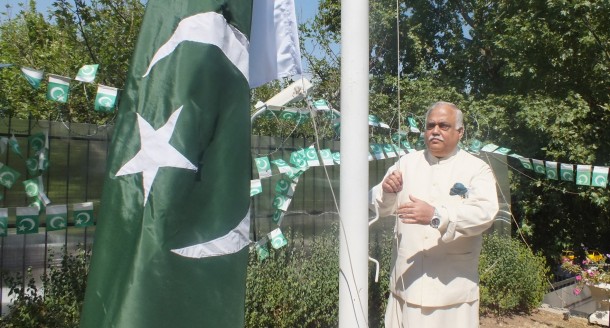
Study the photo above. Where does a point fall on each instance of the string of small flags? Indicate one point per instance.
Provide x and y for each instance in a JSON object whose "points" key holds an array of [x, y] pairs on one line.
{"points": [[303, 159], [58, 87], [28, 219]]}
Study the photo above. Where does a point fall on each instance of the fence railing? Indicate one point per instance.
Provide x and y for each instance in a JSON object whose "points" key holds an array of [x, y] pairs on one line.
{"points": [[77, 155]]}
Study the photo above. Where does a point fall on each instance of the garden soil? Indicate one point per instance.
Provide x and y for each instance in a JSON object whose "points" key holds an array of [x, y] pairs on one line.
{"points": [[540, 318]]}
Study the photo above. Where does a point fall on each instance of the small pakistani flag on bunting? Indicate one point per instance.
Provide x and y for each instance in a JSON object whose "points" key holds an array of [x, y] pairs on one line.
{"points": [[389, 150], [58, 88], [8, 176], [3, 222], [475, 145], [373, 120], [566, 171], [281, 202], [327, 156], [87, 73], [285, 186], [255, 187], [539, 166], [105, 100], [37, 142], [502, 150], [33, 76], [282, 166], [377, 151], [337, 157], [31, 187], [312, 156], [405, 143], [412, 124], [261, 249], [83, 214], [57, 217], [296, 172], [3, 144], [321, 104], [303, 116], [32, 165], [527, 164], [551, 170], [263, 167], [583, 175], [27, 220], [14, 143], [278, 215], [298, 159], [277, 239], [599, 177], [289, 114]]}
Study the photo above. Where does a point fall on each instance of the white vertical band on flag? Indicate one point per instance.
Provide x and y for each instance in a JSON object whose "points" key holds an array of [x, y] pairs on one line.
{"points": [[209, 28], [230, 243], [274, 42]]}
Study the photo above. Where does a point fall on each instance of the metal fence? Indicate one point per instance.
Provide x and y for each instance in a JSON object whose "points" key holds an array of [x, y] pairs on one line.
{"points": [[77, 156]]}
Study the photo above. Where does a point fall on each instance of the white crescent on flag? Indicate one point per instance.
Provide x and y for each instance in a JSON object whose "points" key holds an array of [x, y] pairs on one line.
{"points": [[209, 28]]}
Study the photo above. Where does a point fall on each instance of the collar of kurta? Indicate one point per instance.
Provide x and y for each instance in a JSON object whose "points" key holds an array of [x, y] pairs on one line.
{"points": [[433, 160]]}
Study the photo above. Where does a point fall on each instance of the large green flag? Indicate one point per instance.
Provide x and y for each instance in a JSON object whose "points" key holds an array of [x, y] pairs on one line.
{"points": [[170, 244]]}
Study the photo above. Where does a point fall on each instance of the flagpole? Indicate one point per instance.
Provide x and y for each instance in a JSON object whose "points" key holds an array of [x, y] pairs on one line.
{"points": [[354, 235]]}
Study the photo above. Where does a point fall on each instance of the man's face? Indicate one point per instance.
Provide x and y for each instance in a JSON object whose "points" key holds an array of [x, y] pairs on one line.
{"points": [[441, 134]]}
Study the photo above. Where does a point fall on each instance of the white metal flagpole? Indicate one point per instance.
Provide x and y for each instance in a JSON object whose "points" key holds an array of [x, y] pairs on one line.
{"points": [[354, 233]]}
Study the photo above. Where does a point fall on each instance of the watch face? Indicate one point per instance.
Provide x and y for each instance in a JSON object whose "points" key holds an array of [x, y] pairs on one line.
{"points": [[435, 222]]}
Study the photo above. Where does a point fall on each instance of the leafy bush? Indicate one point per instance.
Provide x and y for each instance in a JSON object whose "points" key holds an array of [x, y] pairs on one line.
{"points": [[298, 286], [513, 279], [57, 303]]}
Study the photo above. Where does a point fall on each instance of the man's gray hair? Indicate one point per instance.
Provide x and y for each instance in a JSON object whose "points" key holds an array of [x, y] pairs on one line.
{"points": [[459, 117]]}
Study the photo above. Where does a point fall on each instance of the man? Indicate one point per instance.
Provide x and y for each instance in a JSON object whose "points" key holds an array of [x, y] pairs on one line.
{"points": [[444, 199]]}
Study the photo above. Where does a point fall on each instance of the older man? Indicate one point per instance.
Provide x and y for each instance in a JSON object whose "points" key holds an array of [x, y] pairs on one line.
{"points": [[444, 199]]}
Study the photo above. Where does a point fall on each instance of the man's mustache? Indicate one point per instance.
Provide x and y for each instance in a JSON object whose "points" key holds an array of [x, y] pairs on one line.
{"points": [[439, 138]]}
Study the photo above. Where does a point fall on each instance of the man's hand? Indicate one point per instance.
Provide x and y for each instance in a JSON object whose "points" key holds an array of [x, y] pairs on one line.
{"points": [[415, 212], [392, 183]]}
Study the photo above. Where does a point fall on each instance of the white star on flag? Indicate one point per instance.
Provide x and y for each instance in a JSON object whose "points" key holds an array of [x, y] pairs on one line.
{"points": [[155, 152]]}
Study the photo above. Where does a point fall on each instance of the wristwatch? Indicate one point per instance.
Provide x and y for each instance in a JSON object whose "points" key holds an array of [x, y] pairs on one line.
{"points": [[435, 222]]}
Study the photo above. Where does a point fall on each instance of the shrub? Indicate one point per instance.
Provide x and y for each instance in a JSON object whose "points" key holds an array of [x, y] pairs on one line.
{"points": [[57, 303], [512, 278]]}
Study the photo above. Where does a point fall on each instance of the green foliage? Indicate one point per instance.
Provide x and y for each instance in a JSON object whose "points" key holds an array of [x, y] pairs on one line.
{"points": [[57, 303], [512, 278], [298, 286]]}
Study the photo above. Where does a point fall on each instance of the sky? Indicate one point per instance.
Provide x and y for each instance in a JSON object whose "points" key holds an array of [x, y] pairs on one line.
{"points": [[305, 9]]}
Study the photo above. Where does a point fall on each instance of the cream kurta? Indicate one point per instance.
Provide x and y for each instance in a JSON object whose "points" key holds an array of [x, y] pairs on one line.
{"points": [[439, 267]]}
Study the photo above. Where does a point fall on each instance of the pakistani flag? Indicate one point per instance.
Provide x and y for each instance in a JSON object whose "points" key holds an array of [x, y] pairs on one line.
{"points": [[37, 142], [31, 187], [83, 214], [173, 229], [33, 76], [599, 178], [27, 220], [57, 217], [105, 100], [8, 176], [3, 222], [87, 73], [58, 88]]}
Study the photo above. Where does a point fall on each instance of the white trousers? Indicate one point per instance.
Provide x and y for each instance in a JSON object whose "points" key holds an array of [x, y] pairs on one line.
{"points": [[405, 315]]}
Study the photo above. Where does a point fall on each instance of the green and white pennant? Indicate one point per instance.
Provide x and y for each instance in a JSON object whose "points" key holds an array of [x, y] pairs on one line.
{"points": [[312, 156], [57, 217], [263, 167], [551, 170], [327, 156], [277, 239], [389, 150], [31, 187], [377, 151], [539, 166], [599, 177], [58, 88], [583, 175], [255, 187], [8, 176], [87, 73], [27, 220], [33, 76], [282, 166], [566, 171], [3, 222], [82, 213], [37, 142], [412, 124], [105, 100]]}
